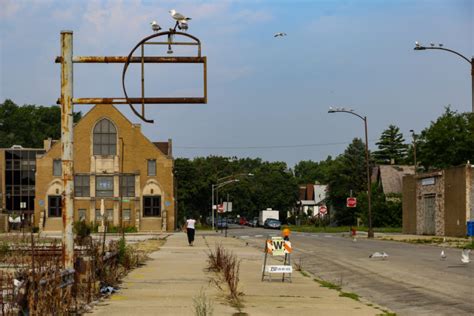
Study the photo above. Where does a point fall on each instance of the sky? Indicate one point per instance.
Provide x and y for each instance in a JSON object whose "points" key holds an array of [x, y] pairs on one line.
{"points": [[267, 97]]}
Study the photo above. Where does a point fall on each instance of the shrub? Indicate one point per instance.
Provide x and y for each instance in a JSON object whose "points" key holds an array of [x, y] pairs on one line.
{"points": [[82, 231]]}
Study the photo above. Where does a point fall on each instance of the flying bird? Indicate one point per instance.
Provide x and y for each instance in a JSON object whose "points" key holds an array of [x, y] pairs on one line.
{"points": [[155, 27], [465, 255], [383, 255], [280, 34], [178, 16], [443, 255]]}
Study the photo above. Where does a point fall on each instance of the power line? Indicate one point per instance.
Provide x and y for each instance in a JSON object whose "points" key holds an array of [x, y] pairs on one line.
{"points": [[265, 147]]}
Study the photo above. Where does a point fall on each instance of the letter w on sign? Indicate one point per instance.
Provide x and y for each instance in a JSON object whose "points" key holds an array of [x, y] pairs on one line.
{"points": [[278, 246]]}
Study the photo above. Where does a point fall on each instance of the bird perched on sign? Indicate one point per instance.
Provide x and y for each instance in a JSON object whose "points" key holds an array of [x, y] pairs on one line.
{"points": [[178, 16], [280, 34], [155, 27], [383, 255]]}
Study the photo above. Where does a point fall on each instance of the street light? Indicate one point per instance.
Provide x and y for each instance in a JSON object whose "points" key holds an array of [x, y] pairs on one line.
{"points": [[369, 184], [220, 181], [216, 187], [413, 135], [418, 46]]}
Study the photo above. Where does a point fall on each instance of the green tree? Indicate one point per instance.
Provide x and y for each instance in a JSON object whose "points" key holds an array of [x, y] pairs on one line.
{"points": [[386, 209], [391, 146], [347, 173], [449, 141], [309, 171], [29, 125], [273, 185]]}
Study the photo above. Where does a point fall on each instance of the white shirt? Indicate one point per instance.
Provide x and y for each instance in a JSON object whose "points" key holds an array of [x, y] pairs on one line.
{"points": [[190, 223]]}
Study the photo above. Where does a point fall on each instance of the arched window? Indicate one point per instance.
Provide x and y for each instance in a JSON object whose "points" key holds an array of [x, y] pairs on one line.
{"points": [[105, 138]]}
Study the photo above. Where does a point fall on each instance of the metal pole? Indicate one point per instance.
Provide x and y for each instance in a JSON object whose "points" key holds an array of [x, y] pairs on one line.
{"points": [[369, 184], [217, 206], [121, 180], [212, 207], [414, 153], [472, 83], [67, 148]]}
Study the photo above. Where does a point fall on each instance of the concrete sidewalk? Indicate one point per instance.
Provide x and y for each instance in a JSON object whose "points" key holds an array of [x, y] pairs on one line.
{"points": [[167, 284]]}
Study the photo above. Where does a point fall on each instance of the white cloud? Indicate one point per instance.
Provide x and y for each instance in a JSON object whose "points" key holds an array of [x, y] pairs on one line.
{"points": [[9, 8]]}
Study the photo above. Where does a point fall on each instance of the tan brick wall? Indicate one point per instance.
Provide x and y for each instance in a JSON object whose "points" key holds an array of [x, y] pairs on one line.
{"points": [[455, 191], [409, 204], [137, 150], [2, 181]]}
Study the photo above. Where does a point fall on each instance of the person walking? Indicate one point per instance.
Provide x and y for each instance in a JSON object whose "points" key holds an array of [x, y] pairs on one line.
{"points": [[190, 229]]}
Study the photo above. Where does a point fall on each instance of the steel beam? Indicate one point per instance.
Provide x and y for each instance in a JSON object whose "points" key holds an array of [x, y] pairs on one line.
{"points": [[171, 100], [146, 59]]}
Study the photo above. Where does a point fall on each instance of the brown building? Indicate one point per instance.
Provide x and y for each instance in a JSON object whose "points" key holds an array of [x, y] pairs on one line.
{"points": [[439, 203], [116, 168]]}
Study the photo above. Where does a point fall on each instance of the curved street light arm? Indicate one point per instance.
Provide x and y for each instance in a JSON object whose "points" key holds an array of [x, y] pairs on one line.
{"points": [[445, 49], [220, 185], [350, 112], [235, 176]]}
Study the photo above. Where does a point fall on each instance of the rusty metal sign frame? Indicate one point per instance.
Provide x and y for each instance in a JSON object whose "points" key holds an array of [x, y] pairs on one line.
{"points": [[146, 41], [127, 60]]}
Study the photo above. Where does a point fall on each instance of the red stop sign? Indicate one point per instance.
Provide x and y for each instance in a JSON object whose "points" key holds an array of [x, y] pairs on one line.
{"points": [[323, 209], [351, 202]]}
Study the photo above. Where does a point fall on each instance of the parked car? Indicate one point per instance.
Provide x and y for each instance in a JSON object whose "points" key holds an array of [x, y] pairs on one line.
{"points": [[272, 223], [243, 221], [254, 222]]}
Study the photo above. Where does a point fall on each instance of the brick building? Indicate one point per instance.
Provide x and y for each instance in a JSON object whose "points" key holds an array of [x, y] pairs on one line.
{"points": [[115, 167], [439, 203]]}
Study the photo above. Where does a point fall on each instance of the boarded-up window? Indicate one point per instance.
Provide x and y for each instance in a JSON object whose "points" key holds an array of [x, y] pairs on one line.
{"points": [[152, 205]]}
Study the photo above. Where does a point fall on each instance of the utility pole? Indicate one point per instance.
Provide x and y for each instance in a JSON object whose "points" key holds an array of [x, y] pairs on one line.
{"points": [[67, 203]]}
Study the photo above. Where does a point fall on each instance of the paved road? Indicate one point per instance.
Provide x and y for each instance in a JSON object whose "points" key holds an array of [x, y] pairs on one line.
{"points": [[413, 281]]}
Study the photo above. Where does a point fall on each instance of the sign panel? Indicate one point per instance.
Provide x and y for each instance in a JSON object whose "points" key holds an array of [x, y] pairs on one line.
{"points": [[227, 206], [351, 202], [278, 246], [323, 209], [220, 208], [279, 269], [428, 181]]}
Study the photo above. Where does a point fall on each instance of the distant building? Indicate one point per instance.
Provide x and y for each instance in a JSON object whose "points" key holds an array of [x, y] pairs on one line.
{"points": [[17, 183], [439, 203], [115, 166], [311, 197], [390, 177]]}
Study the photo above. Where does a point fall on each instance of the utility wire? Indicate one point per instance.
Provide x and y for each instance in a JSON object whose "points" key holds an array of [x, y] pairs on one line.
{"points": [[265, 147]]}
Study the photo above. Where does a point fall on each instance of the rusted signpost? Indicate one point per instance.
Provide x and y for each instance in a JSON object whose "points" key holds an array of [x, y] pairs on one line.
{"points": [[67, 102]]}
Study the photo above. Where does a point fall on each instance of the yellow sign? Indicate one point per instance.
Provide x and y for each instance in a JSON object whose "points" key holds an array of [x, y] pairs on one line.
{"points": [[278, 246]]}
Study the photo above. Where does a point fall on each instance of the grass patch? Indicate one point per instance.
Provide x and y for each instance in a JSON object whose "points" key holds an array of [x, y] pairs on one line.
{"points": [[340, 229], [202, 304], [387, 313], [305, 274], [350, 295], [328, 285]]}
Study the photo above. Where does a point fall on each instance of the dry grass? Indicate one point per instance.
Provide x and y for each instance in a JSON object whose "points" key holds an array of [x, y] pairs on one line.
{"points": [[226, 264]]}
